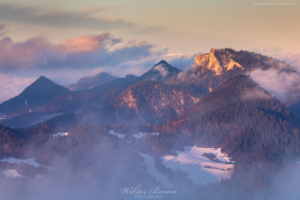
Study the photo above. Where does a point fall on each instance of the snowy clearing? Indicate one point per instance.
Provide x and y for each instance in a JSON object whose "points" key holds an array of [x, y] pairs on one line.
{"points": [[119, 135], [200, 168], [11, 173]]}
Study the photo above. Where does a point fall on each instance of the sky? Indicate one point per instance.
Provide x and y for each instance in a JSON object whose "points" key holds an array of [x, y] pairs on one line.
{"points": [[66, 40]]}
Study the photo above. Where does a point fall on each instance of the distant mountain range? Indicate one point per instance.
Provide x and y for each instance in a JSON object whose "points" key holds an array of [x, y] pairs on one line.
{"points": [[161, 94], [90, 82]]}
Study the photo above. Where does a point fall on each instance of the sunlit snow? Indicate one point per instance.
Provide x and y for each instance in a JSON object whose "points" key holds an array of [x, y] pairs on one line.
{"points": [[11, 173], [199, 168], [61, 134]]}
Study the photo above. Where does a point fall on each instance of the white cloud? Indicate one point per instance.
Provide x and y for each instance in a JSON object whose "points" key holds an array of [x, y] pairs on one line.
{"points": [[253, 94], [59, 19], [292, 58], [161, 70], [284, 85], [82, 52]]}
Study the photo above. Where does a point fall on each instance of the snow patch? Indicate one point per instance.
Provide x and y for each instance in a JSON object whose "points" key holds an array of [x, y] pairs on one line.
{"points": [[11, 173], [156, 134], [199, 168], [2, 116], [30, 161], [139, 135], [60, 134], [119, 135]]}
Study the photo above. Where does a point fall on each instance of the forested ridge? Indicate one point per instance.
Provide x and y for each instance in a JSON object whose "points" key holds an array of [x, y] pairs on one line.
{"points": [[241, 117]]}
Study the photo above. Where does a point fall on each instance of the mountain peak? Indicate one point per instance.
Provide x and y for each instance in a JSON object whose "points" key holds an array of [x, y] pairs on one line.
{"points": [[44, 86], [38, 93], [162, 62], [90, 82], [42, 79], [41, 83], [160, 72], [218, 61]]}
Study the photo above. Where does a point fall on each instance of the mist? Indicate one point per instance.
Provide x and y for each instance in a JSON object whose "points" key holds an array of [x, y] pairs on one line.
{"points": [[284, 85]]}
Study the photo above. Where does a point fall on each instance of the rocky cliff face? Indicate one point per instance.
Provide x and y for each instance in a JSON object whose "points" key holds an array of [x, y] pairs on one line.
{"points": [[216, 61]]}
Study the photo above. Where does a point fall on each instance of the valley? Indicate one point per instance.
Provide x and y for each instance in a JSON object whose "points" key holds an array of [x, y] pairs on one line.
{"points": [[204, 132]]}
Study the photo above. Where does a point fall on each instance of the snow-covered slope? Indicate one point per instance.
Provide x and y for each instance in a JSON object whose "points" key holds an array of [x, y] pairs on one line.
{"points": [[11, 173], [212, 167], [30, 161]]}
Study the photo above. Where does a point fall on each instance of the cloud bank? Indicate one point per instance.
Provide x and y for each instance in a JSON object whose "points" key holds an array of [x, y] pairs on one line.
{"points": [[59, 19], [86, 51], [70, 59], [284, 85], [292, 58]]}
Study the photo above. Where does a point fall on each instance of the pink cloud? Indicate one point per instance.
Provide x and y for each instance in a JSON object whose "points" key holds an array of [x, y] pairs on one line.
{"points": [[292, 58], [282, 84], [85, 43], [86, 51], [76, 19], [23, 54]]}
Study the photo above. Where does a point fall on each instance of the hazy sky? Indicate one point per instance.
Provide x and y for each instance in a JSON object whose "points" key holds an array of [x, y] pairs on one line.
{"points": [[79, 38]]}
